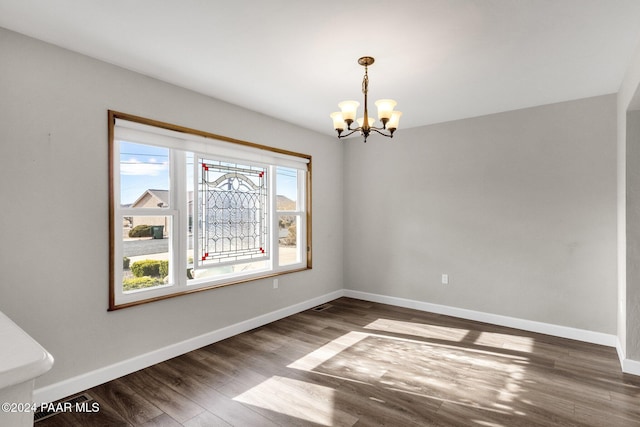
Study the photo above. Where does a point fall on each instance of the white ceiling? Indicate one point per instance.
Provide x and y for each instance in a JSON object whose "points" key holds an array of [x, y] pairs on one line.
{"points": [[295, 60]]}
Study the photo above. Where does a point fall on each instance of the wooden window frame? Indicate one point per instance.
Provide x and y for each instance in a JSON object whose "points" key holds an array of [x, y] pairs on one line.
{"points": [[114, 199]]}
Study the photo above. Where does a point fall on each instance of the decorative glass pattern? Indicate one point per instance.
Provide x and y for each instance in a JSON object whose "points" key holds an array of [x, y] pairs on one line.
{"points": [[233, 212]]}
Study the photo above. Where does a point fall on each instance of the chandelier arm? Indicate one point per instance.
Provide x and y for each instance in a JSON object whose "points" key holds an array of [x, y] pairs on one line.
{"points": [[381, 133], [358, 129]]}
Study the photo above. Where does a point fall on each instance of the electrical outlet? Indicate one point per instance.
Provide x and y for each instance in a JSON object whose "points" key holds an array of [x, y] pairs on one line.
{"points": [[275, 283], [445, 279]]}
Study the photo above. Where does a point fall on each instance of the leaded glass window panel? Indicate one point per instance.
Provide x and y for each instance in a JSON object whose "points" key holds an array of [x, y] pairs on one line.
{"points": [[233, 217]]}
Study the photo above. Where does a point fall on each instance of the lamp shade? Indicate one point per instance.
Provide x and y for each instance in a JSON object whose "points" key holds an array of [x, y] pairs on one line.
{"points": [[338, 121], [371, 121], [349, 109], [385, 108], [394, 120]]}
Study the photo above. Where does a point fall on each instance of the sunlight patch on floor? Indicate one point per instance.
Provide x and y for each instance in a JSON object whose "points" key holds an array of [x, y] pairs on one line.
{"points": [[487, 423], [489, 339], [327, 351], [298, 399], [417, 329], [511, 342], [445, 364]]}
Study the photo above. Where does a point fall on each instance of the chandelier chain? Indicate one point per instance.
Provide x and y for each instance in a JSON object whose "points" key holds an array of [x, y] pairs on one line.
{"points": [[365, 81]]}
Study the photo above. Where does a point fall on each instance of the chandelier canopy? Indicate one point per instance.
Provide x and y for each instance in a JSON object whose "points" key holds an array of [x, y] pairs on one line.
{"points": [[387, 116]]}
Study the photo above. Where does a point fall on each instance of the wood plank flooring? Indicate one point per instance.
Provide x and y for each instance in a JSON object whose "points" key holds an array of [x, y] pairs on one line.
{"points": [[358, 363]]}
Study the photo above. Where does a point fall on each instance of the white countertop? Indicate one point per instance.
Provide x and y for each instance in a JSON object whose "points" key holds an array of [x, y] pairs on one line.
{"points": [[21, 357]]}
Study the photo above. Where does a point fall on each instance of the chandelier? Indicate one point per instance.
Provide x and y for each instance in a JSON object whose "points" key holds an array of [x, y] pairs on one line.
{"points": [[386, 115]]}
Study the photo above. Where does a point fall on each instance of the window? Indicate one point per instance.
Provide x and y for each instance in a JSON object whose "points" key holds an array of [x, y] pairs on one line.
{"points": [[192, 211]]}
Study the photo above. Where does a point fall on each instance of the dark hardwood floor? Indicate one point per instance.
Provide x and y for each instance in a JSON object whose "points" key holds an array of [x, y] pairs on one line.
{"points": [[365, 364]]}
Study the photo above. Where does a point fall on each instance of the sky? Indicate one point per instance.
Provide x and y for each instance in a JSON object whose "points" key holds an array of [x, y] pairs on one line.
{"points": [[144, 167]]}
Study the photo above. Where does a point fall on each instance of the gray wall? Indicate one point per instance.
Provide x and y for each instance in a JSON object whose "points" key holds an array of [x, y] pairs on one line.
{"points": [[633, 235], [519, 208], [54, 220], [628, 142]]}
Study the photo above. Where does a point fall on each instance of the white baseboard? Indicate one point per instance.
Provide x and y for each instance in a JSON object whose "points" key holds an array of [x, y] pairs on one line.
{"points": [[631, 367], [620, 350], [85, 381], [495, 319], [628, 366]]}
